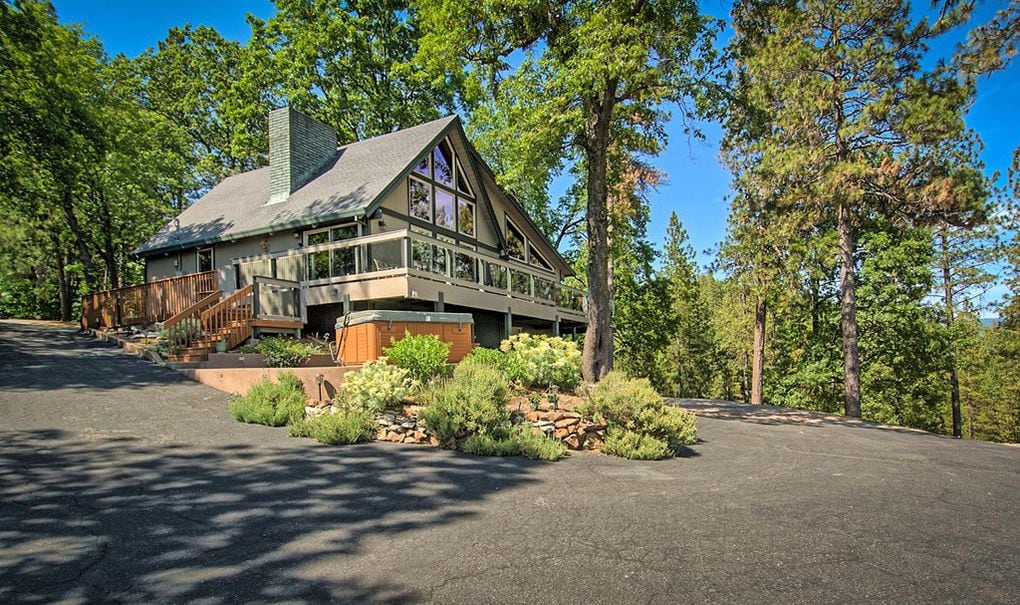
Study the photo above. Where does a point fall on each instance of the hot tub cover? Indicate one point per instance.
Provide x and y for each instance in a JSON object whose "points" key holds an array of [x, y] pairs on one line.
{"points": [[360, 317]]}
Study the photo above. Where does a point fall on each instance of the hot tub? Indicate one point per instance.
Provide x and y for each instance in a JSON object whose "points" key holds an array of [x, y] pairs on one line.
{"points": [[362, 335]]}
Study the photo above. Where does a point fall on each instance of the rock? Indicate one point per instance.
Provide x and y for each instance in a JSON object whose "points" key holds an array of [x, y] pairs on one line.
{"points": [[562, 433], [574, 441], [394, 437], [543, 423], [566, 421], [408, 424], [382, 421], [433, 441]]}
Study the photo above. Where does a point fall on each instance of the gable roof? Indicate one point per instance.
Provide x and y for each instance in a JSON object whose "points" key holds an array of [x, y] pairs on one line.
{"points": [[359, 174]]}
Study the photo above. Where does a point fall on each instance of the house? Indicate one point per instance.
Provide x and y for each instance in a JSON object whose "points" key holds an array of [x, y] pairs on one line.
{"points": [[411, 220]]}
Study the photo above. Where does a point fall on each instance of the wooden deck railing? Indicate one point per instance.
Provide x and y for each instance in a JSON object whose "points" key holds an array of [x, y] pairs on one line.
{"points": [[145, 303]]}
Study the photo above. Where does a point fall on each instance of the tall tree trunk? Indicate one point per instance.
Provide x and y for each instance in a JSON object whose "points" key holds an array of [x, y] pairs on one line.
{"points": [[950, 311], [597, 358], [758, 355], [848, 296], [67, 205], [109, 251], [63, 283]]}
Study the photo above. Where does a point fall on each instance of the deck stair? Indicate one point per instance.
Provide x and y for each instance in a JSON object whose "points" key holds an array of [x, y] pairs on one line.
{"points": [[193, 333]]}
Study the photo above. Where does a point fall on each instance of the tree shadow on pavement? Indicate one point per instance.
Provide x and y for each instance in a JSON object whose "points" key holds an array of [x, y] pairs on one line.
{"points": [[123, 519]]}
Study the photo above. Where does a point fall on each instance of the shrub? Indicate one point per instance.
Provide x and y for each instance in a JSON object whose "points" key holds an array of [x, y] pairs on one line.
{"points": [[518, 442], [635, 446], [271, 403], [509, 365], [472, 402], [422, 355], [376, 385], [545, 360], [282, 352], [344, 425], [638, 418]]}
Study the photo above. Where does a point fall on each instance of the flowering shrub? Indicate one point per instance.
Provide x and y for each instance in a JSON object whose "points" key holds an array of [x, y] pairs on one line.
{"points": [[545, 360], [422, 355], [376, 385], [509, 365]]}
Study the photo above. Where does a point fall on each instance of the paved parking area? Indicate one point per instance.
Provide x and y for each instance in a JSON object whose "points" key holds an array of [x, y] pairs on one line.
{"points": [[121, 481]]}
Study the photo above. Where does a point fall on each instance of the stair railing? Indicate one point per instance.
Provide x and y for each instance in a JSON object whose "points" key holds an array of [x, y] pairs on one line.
{"points": [[183, 329], [230, 319]]}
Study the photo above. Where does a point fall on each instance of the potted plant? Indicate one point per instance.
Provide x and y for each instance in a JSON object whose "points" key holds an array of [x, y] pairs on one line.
{"points": [[221, 345]]}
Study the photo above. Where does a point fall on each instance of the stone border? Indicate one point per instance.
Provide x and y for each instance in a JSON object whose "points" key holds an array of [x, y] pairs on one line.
{"points": [[135, 348]]}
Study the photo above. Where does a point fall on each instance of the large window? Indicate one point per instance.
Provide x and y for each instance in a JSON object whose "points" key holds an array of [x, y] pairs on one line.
{"points": [[439, 193], [336, 262]]}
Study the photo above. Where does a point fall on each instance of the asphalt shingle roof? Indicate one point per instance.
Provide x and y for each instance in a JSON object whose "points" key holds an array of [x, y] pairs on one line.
{"points": [[238, 206]]}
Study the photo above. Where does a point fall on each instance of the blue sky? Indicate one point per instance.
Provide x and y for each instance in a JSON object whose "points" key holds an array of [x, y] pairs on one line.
{"points": [[698, 184]]}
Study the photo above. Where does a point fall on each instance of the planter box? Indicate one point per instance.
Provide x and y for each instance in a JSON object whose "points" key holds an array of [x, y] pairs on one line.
{"points": [[255, 360]]}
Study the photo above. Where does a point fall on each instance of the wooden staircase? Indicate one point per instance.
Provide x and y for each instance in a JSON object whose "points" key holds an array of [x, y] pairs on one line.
{"points": [[194, 332]]}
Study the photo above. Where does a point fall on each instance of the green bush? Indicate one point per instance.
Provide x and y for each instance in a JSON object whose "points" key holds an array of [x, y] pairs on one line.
{"points": [[282, 352], [545, 360], [638, 417], [472, 402], [518, 442], [376, 385], [343, 426], [271, 403], [509, 365], [422, 355], [635, 446]]}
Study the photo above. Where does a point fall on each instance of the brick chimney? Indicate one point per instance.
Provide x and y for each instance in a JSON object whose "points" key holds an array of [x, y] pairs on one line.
{"points": [[298, 147]]}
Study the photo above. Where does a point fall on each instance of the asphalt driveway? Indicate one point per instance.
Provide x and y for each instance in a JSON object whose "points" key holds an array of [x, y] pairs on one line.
{"points": [[123, 482]]}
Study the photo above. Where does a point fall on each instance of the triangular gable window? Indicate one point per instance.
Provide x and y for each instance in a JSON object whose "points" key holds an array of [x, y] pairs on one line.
{"points": [[462, 184], [443, 164], [422, 167]]}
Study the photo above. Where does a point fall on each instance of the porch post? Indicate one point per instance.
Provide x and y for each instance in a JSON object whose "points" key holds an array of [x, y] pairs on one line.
{"points": [[507, 323], [347, 304], [556, 326], [441, 303]]}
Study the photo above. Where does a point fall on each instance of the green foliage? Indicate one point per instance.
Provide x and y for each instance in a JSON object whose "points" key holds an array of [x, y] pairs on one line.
{"points": [[345, 425], [424, 356], [509, 365], [520, 441], [638, 417], [472, 402], [544, 360], [271, 403], [282, 352], [626, 443], [376, 385]]}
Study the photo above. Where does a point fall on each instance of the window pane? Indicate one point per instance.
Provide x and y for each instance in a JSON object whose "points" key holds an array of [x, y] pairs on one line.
{"points": [[464, 267], [514, 241], [462, 185], [443, 163], [346, 232], [465, 217], [444, 209], [421, 204], [422, 167], [205, 260], [322, 237], [536, 259]]}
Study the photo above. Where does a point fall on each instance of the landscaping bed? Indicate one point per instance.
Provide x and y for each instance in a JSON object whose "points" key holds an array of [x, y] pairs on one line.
{"points": [[518, 401]]}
